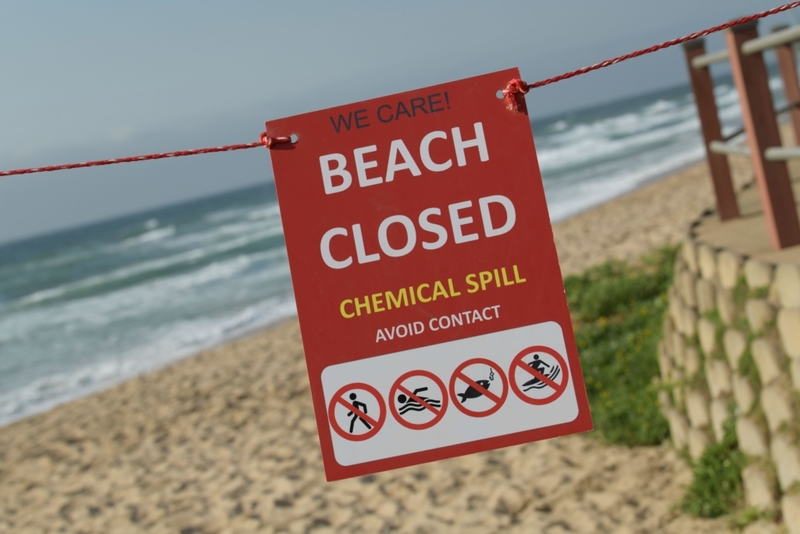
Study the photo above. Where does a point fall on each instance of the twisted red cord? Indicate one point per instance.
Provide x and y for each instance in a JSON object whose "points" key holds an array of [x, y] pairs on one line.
{"points": [[666, 44], [129, 159], [512, 95], [265, 141]]}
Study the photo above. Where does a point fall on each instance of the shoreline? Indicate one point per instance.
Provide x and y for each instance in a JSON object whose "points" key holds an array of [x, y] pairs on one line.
{"points": [[225, 440], [567, 268]]}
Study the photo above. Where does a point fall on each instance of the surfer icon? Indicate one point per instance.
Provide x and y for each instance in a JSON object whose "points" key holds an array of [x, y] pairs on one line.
{"points": [[408, 404], [545, 369], [472, 392]]}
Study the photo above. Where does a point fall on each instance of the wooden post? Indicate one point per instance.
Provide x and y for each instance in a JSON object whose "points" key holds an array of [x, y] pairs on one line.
{"points": [[758, 114], [703, 88], [790, 86]]}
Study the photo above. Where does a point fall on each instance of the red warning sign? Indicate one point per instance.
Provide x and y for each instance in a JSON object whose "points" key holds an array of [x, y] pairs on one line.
{"points": [[478, 387], [418, 236], [539, 375], [357, 412], [418, 400]]}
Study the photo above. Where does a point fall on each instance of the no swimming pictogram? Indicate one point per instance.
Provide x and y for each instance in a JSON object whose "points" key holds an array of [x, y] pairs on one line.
{"points": [[539, 375], [418, 400], [357, 412], [471, 387]]}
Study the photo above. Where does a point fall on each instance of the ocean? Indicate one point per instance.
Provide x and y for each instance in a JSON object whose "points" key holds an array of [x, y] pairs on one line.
{"points": [[90, 307]]}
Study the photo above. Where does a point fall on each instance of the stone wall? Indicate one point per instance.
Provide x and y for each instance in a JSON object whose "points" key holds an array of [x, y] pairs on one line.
{"points": [[731, 351]]}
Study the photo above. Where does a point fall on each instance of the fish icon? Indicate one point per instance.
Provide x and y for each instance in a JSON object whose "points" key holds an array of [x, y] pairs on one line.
{"points": [[472, 393]]}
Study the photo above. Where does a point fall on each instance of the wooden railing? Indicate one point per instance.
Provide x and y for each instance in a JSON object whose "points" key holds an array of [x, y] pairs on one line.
{"points": [[745, 53]]}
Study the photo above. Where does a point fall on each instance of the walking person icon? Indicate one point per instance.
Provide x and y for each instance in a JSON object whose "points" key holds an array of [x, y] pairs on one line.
{"points": [[358, 405], [356, 402]]}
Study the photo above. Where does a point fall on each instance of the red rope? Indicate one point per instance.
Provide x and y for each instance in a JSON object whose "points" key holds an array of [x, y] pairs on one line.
{"points": [[512, 95], [667, 44], [265, 141]]}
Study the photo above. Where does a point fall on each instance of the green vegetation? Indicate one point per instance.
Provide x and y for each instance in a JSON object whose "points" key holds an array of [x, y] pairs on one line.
{"points": [[618, 311], [716, 487]]}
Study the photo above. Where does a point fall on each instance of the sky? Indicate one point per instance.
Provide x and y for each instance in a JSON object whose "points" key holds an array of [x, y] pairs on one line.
{"points": [[94, 80]]}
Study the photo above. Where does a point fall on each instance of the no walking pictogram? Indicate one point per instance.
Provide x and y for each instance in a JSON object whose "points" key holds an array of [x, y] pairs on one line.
{"points": [[418, 400], [539, 375], [357, 412], [478, 387]]}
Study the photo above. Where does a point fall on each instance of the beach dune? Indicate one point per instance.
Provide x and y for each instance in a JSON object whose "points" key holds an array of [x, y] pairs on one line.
{"points": [[226, 441]]}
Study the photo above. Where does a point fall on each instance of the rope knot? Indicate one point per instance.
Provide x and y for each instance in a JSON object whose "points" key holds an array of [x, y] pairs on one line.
{"points": [[513, 95], [269, 142]]}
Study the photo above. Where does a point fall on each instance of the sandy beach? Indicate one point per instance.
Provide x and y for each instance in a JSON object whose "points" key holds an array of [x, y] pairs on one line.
{"points": [[226, 441]]}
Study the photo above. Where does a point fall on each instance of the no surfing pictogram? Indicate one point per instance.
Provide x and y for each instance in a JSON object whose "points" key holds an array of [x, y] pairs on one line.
{"points": [[539, 375], [418, 400], [471, 387], [352, 412]]}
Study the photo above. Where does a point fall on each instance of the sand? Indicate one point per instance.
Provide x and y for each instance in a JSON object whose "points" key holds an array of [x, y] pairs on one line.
{"points": [[226, 441]]}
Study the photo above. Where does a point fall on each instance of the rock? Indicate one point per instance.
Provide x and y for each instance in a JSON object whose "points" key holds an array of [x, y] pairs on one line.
{"points": [[679, 395], [759, 489], [790, 506], [719, 414], [707, 262], [686, 283], [787, 282], [743, 393], [387, 510], [728, 268], [757, 274], [705, 295], [777, 406], [697, 409], [751, 438], [691, 361], [664, 400], [678, 347], [794, 369], [786, 457], [689, 253], [789, 330], [726, 307], [735, 343], [718, 377], [689, 317], [678, 429], [767, 359], [664, 363], [707, 332], [759, 314], [675, 308], [759, 527], [698, 441], [508, 500]]}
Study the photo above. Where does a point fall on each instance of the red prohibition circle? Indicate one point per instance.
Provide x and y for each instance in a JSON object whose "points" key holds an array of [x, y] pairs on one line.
{"points": [[498, 400], [437, 414], [517, 362], [338, 398]]}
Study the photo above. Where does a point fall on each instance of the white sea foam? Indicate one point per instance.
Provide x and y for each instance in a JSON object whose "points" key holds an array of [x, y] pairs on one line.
{"points": [[150, 266], [164, 346], [156, 234]]}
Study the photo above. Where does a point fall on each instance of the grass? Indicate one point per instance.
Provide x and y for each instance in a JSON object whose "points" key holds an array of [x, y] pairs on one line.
{"points": [[716, 487], [618, 311]]}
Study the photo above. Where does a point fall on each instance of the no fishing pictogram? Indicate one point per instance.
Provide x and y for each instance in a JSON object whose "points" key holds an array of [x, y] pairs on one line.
{"points": [[472, 382], [352, 412], [539, 375], [418, 400]]}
